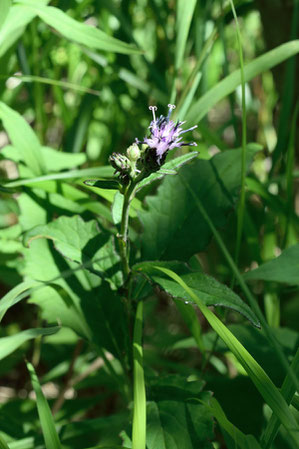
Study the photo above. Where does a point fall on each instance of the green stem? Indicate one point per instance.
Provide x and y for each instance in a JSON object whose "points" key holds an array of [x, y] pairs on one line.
{"points": [[241, 206], [139, 412], [123, 236]]}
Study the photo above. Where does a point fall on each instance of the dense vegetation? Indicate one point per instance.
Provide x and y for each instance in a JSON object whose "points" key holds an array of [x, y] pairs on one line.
{"points": [[149, 288]]}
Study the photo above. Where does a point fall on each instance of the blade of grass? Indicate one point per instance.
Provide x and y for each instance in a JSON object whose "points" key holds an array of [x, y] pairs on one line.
{"points": [[80, 33], [252, 301], [3, 444], [4, 10], [12, 342], [288, 390], [287, 102], [263, 383], [139, 412], [241, 204], [231, 82], [46, 419], [289, 174], [52, 82], [185, 11], [71, 174], [240, 439]]}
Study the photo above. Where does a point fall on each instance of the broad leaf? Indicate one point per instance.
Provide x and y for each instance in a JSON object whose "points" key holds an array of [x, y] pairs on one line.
{"points": [[173, 225], [82, 242], [81, 33], [285, 268], [175, 418], [4, 10], [11, 343], [23, 138], [212, 292]]}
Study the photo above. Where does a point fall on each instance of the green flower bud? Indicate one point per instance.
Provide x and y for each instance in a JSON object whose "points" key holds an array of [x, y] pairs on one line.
{"points": [[133, 152]]}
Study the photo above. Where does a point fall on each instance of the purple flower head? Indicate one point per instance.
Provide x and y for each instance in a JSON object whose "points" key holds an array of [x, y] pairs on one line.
{"points": [[165, 135]]}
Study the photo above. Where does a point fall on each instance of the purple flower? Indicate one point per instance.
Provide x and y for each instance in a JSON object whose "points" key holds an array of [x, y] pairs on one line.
{"points": [[165, 135]]}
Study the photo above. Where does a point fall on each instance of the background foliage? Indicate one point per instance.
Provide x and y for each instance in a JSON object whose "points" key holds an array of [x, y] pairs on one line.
{"points": [[77, 77]]}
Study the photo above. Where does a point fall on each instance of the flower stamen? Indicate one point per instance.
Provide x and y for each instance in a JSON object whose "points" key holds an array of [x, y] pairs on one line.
{"points": [[153, 109]]}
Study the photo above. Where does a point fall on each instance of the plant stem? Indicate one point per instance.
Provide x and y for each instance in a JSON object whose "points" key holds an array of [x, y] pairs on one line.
{"points": [[123, 236], [139, 412]]}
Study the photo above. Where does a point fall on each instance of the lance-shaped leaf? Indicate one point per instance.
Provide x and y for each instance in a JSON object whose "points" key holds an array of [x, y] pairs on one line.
{"points": [[81, 33], [110, 184], [173, 165], [212, 292]]}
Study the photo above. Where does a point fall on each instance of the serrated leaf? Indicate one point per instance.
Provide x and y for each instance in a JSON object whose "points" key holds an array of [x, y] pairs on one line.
{"points": [[75, 298], [212, 292], [78, 32], [285, 268], [12, 342], [173, 164], [175, 418], [82, 242], [173, 225]]}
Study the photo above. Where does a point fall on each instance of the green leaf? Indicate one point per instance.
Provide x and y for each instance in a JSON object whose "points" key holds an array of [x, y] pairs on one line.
{"points": [[172, 165], [212, 292], [15, 295], [185, 11], [3, 444], [239, 439], [263, 383], [81, 242], [4, 10], [173, 226], [54, 160], [13, 27], [71, 174], [80, 33], [76, 298], [285, 268], [175, 419], [23, 138], [13, 342], [44, 413], [232, 81], [110, 184], [117, 207]]}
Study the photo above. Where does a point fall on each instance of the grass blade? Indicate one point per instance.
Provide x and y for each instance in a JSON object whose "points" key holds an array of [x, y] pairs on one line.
{"points": [[240, 439], [263, 383], [80, 33], [139, 412], [44, 412], [3, 444], [241, 205], [231, 82], [4, 10], [13, 342]]}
